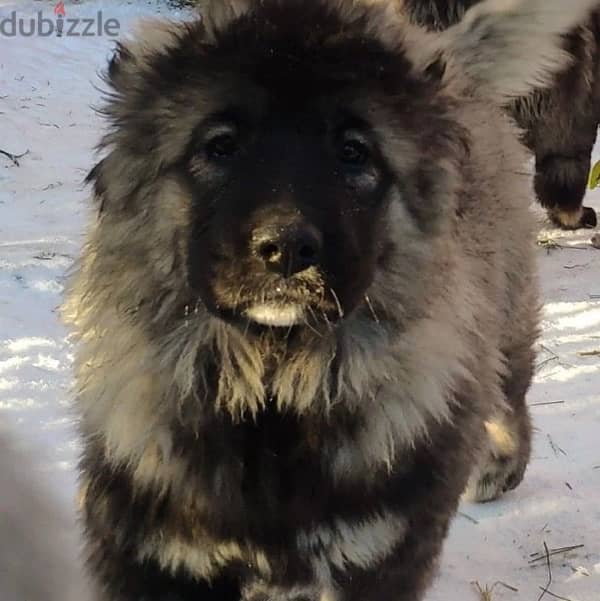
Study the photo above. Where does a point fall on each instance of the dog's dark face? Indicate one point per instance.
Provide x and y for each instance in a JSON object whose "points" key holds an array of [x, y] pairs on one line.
{"points": [[288, 194], [293, 144]]}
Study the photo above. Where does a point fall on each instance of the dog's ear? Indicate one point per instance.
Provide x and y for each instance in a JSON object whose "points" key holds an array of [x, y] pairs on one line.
{"points": [[129, 165], [506, 48]]}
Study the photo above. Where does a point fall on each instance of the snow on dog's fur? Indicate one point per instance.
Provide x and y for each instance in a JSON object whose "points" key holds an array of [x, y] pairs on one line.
{"points": [[307, 307]]}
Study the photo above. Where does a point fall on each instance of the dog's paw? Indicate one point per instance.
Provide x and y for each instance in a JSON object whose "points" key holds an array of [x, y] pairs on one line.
{"points": [[582, 217], [497, 476], [502, 467]]}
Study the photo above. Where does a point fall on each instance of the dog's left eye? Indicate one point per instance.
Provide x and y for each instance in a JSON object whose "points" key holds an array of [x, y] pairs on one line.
{"points": [[222, 146], [354, 151]]}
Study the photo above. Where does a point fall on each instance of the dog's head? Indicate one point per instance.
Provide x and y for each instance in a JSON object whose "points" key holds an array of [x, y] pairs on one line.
{"points": [[299, 155], [291, 179]]}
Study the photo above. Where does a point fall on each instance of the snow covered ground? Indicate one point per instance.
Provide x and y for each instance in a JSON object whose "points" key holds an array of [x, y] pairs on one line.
{"points": [[47, 89]]}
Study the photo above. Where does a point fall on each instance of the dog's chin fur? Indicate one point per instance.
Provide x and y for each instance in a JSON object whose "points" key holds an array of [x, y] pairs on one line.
{"points": [[224, 462]]}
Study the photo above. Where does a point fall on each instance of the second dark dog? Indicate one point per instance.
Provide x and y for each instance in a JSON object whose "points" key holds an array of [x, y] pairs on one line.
{"points": [[559, 123]]}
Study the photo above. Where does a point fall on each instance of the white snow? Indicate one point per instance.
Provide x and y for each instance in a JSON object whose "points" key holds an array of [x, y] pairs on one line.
{"points": [[47, 90]]}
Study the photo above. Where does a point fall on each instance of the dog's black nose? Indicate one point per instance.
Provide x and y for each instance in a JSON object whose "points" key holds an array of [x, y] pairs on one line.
{"points": [[288, 249]]}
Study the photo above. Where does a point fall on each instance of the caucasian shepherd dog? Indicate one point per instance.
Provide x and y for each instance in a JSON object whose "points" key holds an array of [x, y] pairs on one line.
{"points": [[559, 123], [306, 309]]}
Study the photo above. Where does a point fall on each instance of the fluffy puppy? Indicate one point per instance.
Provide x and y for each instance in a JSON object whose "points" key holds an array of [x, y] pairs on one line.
{"points": [[559, 123], [307, 307], [38, 539]]}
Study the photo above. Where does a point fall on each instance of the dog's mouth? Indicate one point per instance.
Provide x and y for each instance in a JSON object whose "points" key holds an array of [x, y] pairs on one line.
{"points": [[288, 309], [283, 304]]}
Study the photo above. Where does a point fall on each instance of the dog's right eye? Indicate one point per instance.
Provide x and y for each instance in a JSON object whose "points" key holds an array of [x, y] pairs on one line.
{"points": [[222, 146], [354, 153]]}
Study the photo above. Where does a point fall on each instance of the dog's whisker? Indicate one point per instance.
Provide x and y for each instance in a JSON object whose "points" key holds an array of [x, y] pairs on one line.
{"points": [[312, 328], [327, 321], [247, 327], [238, 296], [371, 308], [309, 325], [337, 303]]}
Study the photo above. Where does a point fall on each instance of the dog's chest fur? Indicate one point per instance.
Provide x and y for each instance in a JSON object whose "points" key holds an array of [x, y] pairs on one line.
{"points": [[268, 467], [256, 497]]}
